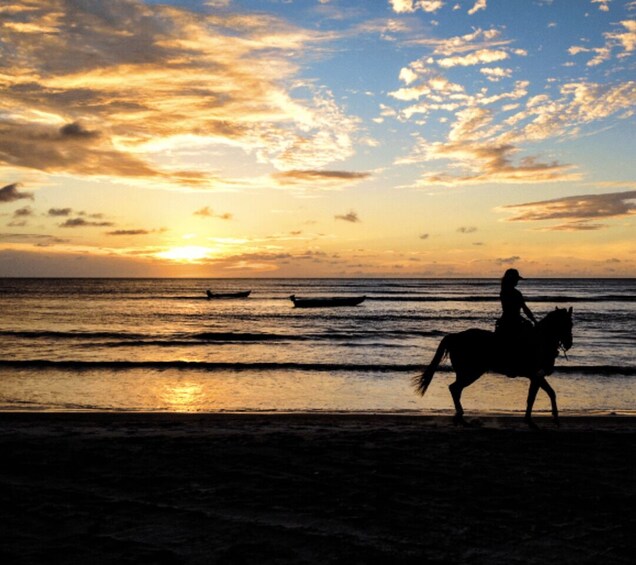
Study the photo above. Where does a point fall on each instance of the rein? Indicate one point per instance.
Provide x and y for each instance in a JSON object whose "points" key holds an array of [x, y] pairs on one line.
{"points": [[560, 346], [564, 350]]}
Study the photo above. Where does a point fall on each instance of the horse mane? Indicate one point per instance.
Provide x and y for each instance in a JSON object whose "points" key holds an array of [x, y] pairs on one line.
{"points": [[552, 317], [554, 329]]}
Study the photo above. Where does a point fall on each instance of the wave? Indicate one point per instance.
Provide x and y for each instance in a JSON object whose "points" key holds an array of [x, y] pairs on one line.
{"points": [[202, 336], [547, 298], [177, 343], [198, 338], [35, 334], [603, 370], [397, 296]]}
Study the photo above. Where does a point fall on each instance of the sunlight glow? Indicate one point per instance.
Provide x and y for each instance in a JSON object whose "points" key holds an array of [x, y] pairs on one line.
{"points": [[248, 149], [183, 397], [185, 254]]}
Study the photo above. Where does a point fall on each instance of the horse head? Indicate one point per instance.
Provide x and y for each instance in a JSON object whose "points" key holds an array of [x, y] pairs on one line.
{"points": [[558, 324]]}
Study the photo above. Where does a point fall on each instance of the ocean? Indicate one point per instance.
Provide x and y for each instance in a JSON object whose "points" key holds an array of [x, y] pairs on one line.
{"points": [[160, 345]]}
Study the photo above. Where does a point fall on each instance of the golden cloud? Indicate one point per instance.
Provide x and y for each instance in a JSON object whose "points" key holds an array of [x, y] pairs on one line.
{"points": [[318, 179], [479, 5], [495, 74], [477, 143], [407, 6], [479, 57], [491, 163], [579, 209], [613, 41], [477, 40], [224, 78]]}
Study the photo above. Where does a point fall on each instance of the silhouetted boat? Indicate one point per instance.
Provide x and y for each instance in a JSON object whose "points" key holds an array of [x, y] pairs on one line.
{"points": [[326, 302], [242, 294]]}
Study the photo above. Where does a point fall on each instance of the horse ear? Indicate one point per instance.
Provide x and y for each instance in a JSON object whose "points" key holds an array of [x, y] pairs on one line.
{"points": [[570, 310]]}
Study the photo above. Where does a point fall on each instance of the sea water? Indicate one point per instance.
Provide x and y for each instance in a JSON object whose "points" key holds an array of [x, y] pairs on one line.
{"points": [[161, 345]]}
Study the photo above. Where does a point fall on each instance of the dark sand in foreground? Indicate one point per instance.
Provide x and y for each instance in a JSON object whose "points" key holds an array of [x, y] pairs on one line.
{"points": [[149, 488]]}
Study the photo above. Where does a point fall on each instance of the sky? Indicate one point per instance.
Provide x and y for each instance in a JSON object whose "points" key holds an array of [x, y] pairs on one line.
{"points": [[317, 138]]}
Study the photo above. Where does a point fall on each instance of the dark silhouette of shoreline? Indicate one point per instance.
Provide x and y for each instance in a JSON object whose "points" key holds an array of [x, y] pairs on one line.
{"points": [[303, 488]]}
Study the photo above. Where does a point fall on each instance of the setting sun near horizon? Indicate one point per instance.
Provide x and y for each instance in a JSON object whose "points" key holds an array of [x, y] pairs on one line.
{"points": [[317, 138]]}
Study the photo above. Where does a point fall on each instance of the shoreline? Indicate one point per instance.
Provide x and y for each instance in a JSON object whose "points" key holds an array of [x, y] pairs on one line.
{"points": [[315, 488], [439, 416]]}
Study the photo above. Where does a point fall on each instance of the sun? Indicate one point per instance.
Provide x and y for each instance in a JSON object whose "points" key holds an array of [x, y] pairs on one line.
{"points": [[185, 254]]}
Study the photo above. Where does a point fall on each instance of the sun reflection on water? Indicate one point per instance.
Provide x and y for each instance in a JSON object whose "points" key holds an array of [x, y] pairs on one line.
{"points": [[184, 397]]}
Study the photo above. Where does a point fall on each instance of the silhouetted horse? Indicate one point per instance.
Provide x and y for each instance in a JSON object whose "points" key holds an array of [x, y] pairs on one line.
{"points": [[474, 352]]}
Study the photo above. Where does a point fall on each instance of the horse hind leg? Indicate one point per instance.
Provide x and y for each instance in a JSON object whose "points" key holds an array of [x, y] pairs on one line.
{"points": [[456, 388], [456, 393]]}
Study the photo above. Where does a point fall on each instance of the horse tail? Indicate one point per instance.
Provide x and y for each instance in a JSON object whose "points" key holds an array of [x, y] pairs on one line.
{"points": [[422, 381]]}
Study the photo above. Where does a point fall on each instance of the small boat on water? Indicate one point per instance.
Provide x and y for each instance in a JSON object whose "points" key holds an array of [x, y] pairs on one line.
{"points": [[242, 294], [326, 302]]}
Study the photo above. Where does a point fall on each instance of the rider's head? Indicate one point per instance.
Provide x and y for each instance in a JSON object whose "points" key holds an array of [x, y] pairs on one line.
{"points": [[511, 278]]}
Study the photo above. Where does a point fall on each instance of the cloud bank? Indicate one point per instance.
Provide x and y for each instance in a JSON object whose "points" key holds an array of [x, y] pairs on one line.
{"points": [[577, 210], [80, 94]]}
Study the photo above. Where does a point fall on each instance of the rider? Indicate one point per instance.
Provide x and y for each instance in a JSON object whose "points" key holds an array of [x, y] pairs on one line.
{"points": [[512, 302], [515, 331]]}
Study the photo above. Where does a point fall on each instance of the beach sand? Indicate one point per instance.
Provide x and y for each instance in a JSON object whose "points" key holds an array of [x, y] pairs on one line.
{"points": [[315, 488]]}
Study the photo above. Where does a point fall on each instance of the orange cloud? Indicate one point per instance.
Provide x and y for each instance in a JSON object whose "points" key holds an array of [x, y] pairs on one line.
{"points": [[319, 179], [223, 78], [578, 209], [491, 163]]}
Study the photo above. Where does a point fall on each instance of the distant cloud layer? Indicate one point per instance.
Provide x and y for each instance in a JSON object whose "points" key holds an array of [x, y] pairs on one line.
{"points": [[317, 180], [82, 223], [207, 212], [23, 212], [129, 232], [10, 193], [351, 216], [579, 209], [57, 212], [508, 260]]}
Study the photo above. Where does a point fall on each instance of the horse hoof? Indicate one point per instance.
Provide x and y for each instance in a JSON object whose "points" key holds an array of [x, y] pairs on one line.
{"points": [[557, 422], [530, 423], [458, 420]]}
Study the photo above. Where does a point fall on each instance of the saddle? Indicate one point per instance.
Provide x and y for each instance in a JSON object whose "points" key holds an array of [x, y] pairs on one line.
{"points": [[516, 350]]}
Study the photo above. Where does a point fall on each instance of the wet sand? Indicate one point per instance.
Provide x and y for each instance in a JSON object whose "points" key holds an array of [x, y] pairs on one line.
{"points": [[315, 488]]}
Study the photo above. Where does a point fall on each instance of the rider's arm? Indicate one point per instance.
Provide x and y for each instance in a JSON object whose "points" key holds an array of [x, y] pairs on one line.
{"points": [[528, 312]]}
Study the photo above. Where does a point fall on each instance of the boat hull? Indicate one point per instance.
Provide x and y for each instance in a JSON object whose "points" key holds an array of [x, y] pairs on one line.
{"points": [[225, 295], [326, 302]]}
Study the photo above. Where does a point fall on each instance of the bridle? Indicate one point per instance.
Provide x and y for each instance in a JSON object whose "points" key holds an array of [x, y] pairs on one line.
{"points": [[563, 350], [560, 346]]}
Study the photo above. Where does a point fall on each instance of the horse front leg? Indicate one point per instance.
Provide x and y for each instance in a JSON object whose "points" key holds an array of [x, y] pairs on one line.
{"points": [[532, 395], [550, 392]]}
